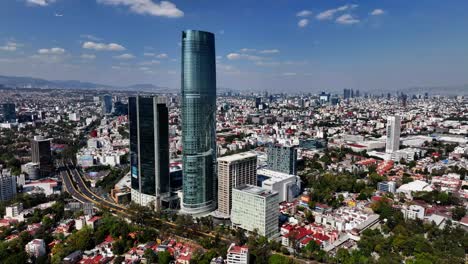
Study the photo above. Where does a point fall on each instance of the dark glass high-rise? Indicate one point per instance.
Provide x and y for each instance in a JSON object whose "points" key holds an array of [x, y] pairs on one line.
{"points": [[199, 122]]}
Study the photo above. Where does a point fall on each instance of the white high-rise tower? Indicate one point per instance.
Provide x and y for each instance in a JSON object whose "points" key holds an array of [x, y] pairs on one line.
{"points": [[393, 133]]}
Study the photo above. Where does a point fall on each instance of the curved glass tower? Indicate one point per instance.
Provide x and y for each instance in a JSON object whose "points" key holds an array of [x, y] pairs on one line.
{"points": [[198, 122]]}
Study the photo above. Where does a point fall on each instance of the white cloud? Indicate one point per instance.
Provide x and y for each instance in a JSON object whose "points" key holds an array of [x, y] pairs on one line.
{"points": [[125, 56], [303, 22], [53, 51], [377, 12], [221, 32], [103, 46], [10, 46], [304, 13], [238, 56], [162, 56], [151, 62], [148, 7], [88, 56], [90, 37], [330, 13], [40, 2], [347, 19], [247, 50], [149, 54], [267, 63], [269, 51]]}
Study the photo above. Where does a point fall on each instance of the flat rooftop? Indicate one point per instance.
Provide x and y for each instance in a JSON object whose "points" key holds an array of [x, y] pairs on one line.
{"points": [[236, 157], [255, 190]]}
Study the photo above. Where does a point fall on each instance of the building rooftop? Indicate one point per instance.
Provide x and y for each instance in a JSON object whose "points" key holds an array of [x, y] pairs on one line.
{"points": [[255, 190], [274, 175], [238, 156]]}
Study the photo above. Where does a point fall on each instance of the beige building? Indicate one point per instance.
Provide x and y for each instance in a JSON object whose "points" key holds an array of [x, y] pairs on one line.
{"points": [[233, 171]]}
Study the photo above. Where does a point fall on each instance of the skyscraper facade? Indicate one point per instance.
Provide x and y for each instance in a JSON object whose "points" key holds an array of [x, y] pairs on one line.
{"points": [[149, 149], [393, 134], [8, 112], [7, 185], [199, 122], [106, 104], [233, 171], [41, 154], [282, 159]]}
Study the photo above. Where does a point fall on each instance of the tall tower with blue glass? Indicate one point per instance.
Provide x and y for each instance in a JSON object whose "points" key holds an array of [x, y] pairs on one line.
{"points": [[199, 122]]}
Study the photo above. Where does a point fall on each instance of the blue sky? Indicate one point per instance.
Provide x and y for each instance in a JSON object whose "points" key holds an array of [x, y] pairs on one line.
{"points": [[274, 45]]}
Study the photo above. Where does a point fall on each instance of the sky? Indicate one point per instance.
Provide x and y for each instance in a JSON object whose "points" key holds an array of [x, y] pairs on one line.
{"points": [[261, 45]]}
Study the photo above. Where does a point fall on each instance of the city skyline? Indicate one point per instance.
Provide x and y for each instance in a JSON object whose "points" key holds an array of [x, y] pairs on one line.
{"points": [[325, 45]]}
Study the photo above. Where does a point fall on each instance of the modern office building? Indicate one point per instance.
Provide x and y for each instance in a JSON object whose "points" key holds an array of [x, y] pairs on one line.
{"points": [[387, 186], [149, 149], [7, 185], [8, 112], [42, 155], [255, 208], [288, 186], [198, 122], [106, 104], [233, 171], [282, 158], [393, 133]]}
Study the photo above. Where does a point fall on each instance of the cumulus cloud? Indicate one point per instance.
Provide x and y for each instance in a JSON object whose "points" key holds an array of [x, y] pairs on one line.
{"points": [[151, 62], [53, 51], [162, 56], [149, 54], [40, 2], [103, 46], [148, 7], [303, 22], [330, 13], [125, 56], [269, 51], [10, 46], [90, 37], [247, 50], [347, 19], [304, 13], [239, 56], [88, 56], [377, 12]]}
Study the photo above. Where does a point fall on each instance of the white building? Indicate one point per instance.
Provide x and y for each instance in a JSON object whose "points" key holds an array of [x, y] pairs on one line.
{"points": [[413, 211], [7, 185], [237, 254], [74, 117], [255, 208], [414, 186], [233, 171], [387, 186], [14, 210], [393, 133], [288, 186], [36, 248]]}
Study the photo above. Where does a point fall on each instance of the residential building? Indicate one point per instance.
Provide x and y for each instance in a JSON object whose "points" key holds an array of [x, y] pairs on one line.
{"points": [[393, 133], [199, 122], [254, 208], [237, 254], [7, 185], [413, 211], [387, 186], [233, 171], [149, 149], [36, 248], [282, 158], [14, 210]]}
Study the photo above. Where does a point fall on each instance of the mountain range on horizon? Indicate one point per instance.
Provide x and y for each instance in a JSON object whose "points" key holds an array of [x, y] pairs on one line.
{"points": [[33, 82]]}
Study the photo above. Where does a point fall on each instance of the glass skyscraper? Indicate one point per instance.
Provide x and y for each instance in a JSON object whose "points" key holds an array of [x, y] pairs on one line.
{"points": [[199, 122], [149, 149], [106, 104]]}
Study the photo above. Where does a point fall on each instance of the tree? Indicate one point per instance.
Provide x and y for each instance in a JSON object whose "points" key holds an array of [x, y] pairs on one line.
{"points": [[458, 212], [164, 257], [150, 256]]}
